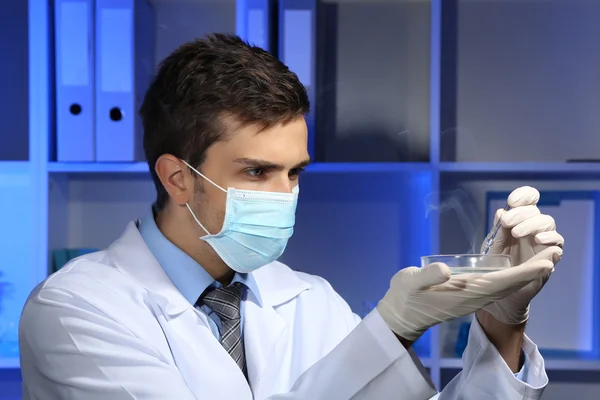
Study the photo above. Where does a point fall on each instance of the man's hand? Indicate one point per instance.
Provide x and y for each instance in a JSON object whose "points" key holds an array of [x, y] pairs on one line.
{"points": [[525, 232], [419, 298]]}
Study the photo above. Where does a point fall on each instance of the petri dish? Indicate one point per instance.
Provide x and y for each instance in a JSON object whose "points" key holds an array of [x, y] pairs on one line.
{"points": [[470, 263]]}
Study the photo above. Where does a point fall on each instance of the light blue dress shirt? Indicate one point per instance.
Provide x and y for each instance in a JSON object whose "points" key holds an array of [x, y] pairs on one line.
{"points": [[188, 276]]}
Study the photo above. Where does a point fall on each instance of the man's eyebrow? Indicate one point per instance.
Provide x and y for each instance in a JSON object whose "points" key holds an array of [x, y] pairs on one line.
{"points": [[303, 164], [256, 163]]}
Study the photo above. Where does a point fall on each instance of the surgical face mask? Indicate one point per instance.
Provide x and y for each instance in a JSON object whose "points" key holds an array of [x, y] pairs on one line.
{"points": [[256, 227]]}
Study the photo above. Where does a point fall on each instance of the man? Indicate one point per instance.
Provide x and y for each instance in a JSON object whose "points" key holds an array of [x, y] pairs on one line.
{"points": [[189, 303]]}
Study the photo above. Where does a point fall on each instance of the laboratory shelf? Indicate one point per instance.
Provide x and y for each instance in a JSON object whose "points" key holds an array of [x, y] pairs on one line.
{"points": [[572, 364], [369, 167], [9, 363], [13, 166], [564, 169], [539, 168], [551, 364], [317, 167], [65, 167]]}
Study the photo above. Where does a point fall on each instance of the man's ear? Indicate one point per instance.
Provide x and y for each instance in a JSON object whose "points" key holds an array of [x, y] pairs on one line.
{"points": [[175, 177]]}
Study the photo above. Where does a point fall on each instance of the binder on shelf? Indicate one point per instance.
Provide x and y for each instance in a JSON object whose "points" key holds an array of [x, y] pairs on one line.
{"points": [[565, 314], [298, 49], [74, 75], [124, 67]]}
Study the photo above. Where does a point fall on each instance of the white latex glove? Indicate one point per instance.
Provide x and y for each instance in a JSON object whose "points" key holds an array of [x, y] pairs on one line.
{"points": [[525, 232], [419, 298]]}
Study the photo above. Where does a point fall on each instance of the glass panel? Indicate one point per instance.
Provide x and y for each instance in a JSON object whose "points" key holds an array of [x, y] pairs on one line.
{"points": [[372, 100], [520, 80]]}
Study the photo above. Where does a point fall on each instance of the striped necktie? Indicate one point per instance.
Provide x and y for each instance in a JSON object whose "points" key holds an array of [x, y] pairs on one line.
{"points": [[225, 302]]}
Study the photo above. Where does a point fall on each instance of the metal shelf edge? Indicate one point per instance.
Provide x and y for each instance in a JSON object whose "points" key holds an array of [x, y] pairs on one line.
{"points": [[551, 364]]}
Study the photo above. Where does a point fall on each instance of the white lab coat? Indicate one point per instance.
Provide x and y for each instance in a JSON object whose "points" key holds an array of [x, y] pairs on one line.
{"points": [[111, 325]]}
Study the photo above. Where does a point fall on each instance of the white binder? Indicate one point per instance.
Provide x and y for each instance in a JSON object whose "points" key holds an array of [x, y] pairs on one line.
{"points": [[74, 35], [124, 67]]}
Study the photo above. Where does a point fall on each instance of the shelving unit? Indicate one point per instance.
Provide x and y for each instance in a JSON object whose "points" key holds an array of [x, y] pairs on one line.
{"points": [[317, 167], [552, 170], [86, 168], [383, 174], [563, 170], [551, 364]]}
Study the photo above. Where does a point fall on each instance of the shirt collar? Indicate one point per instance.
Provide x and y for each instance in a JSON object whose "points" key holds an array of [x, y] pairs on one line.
{"points": [[190, 278]]}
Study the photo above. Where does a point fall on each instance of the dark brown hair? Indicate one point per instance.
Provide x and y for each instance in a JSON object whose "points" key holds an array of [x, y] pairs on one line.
{"points": [[206, 88]]}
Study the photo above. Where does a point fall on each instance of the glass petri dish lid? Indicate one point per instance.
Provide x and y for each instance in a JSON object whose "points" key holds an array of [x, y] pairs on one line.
{"points": [[470, 263]]}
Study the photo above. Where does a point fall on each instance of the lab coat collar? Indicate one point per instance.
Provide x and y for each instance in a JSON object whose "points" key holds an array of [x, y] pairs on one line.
{"points": [[132, 257], [276, 282]]}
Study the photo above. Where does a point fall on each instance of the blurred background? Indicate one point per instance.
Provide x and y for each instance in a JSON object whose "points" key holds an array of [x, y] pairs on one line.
{"points": [[426, 114]]}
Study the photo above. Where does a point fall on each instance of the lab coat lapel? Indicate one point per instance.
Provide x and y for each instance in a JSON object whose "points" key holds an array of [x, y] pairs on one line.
{"points": [[206, 367], [265, 330]]}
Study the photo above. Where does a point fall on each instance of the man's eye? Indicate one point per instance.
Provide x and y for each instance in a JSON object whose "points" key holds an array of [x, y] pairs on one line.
{"points": [[255, 172]]}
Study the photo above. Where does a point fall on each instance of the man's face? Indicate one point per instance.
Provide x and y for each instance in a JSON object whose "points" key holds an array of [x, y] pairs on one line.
{"points": [[268, 160]]}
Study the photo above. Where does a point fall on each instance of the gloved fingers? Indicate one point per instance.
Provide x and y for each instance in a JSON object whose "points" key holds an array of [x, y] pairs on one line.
{"points": [[523, 196], [539, 265], [515, 216], [545, 258], [404, 276], [550, 238], [483, 289], [533, 226], [507, 281], [431, 275]]}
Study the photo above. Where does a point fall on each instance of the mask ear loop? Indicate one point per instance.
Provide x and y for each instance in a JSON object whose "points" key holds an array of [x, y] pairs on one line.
{"points": [[196, 219], [188, 206], [202, 175]]}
